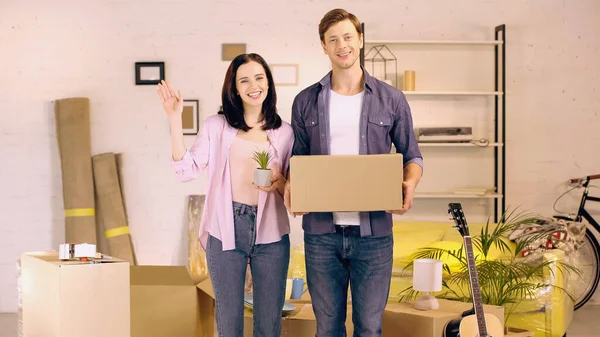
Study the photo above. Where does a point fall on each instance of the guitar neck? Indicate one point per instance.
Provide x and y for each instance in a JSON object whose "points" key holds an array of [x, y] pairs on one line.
{"points": [[475, 291]]}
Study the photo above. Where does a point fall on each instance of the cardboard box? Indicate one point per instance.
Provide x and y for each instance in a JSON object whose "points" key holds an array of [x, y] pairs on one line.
{"points": [[402, 319], [74, 298], [346, 183], [300, 323], [165, 302]]}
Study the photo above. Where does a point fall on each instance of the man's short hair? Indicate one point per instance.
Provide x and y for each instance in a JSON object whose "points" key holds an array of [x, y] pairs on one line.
{"points": [[334, 16]]}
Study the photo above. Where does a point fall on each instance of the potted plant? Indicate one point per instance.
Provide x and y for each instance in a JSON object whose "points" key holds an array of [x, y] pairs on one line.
{"points": [[262, 174], [512, 281]]}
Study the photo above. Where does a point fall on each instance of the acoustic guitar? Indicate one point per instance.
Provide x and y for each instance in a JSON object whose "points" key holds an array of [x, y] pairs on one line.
{"points": [[474, 322]]}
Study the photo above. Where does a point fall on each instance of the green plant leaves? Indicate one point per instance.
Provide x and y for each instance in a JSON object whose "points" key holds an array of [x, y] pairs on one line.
{"points": [[262, 158]]}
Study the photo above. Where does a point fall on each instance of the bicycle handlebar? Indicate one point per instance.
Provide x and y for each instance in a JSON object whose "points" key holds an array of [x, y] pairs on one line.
{"points": [[576, 180]]}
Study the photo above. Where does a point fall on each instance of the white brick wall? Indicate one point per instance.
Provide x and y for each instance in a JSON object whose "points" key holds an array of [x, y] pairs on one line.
{"points": [[72, 49]]}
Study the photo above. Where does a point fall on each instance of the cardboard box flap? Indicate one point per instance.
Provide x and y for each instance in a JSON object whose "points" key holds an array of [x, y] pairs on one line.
{"points": [[160, 275], [410, 310], [206, 287], [303, 312]]}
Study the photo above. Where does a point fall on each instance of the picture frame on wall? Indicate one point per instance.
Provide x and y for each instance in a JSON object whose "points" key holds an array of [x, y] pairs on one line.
{"points": [[229, 51], [190, 117], [285, 74], [149, 73]]}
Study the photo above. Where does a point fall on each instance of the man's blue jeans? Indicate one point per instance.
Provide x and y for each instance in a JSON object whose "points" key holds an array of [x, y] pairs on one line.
{"points": [[269, 266], [336, 259]]}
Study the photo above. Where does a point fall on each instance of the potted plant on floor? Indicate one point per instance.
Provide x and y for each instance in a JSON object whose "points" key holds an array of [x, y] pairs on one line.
{"points": [[519, 284], [262, 174]]}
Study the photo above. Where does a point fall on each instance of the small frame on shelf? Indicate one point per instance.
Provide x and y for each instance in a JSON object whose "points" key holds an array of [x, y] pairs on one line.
{"points": [[149, 73], [285, 74], [190, 117]]}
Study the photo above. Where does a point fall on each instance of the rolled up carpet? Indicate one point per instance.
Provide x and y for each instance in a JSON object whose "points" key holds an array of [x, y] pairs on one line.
{"points": [[74, 143], [111, 208]]}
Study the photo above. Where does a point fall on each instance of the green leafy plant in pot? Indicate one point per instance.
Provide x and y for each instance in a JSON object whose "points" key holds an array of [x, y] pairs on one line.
{"points": [[508, 281], [262, 174]]}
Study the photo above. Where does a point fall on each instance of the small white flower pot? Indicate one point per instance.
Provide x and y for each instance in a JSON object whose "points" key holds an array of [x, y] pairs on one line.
{"points": [[262, 177]]}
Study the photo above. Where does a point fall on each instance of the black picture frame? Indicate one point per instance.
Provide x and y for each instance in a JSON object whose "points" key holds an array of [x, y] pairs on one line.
{"points": [[143, 79]]}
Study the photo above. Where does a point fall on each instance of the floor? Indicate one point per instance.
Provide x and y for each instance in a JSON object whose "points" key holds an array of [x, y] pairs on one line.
{"points": [[582, 326]]}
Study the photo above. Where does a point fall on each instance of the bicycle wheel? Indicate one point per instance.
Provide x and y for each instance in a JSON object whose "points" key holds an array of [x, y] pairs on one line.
{"points": [[590, 273]]}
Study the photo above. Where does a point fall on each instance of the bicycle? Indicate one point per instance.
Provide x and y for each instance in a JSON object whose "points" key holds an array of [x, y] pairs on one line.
{"points": [[590, 247]]}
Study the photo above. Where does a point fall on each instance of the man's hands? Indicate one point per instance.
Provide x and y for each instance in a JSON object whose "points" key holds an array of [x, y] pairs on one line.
{"points": [[412, 176], [287, 200], [408, 188]]}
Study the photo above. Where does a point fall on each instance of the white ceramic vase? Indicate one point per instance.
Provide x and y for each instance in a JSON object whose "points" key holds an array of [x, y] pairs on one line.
{"points": [[262, 177]]}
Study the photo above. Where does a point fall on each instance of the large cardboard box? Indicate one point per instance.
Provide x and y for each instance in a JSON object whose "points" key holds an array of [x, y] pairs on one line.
{"points": [[346, 183], [402, 319], [74, 298], [300, 323], [165, 301]]}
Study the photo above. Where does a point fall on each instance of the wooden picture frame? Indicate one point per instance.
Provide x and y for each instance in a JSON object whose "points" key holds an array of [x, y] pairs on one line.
{"points": [[149, 73], [229, 51], [285, 74], [190, 117]]}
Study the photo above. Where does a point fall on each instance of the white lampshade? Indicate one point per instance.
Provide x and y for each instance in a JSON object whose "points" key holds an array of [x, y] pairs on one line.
{"points": [[427, 275]]}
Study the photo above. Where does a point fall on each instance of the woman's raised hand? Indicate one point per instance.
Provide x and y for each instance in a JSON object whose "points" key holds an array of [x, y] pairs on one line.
{"points": [[172, 103]]}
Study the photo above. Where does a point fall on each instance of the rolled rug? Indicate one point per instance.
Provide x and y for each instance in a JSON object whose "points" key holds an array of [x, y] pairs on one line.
{"points": [[111, 209], [74, 143]]}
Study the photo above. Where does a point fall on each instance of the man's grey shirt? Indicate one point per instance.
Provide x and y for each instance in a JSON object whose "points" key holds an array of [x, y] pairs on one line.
{"points": [[385, 120]]}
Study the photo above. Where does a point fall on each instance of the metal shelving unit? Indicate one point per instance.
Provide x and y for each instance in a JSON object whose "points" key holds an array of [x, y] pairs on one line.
{"points": [[499, 95]]}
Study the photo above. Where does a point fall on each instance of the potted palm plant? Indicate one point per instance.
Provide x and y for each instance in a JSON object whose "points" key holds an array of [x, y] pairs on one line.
{"points": [[262, 174], [512, 281]]}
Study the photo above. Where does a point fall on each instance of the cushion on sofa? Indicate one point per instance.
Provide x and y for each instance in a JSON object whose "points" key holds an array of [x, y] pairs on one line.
{"points": [[407, 243]]}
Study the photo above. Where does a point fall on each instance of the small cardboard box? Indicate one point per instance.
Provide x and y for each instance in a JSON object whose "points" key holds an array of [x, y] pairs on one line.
{"points": [[74, 298], [346, 183], [300, 323], [165, 302], [402, 319]]}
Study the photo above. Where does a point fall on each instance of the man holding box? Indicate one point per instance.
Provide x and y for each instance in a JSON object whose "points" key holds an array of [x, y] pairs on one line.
{"points": [[349, 112]]}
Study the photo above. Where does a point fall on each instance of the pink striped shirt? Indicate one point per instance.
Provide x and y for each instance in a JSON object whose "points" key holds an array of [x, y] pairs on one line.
{"points": [[211, 151]]}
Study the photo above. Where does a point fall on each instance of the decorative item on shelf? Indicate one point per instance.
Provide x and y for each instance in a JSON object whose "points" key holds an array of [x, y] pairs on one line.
{"points": [[427, 278], [382, 54], [229, 51], [190, 117], [447, 134], [149, 73], [409, 80], [262, 174]]}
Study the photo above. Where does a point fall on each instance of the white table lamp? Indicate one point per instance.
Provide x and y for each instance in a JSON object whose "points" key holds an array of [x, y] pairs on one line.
{"points": [[427, 277]]}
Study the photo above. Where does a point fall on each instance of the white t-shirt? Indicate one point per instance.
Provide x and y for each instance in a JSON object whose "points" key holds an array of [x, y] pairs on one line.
{"points": [[344, 121]]}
